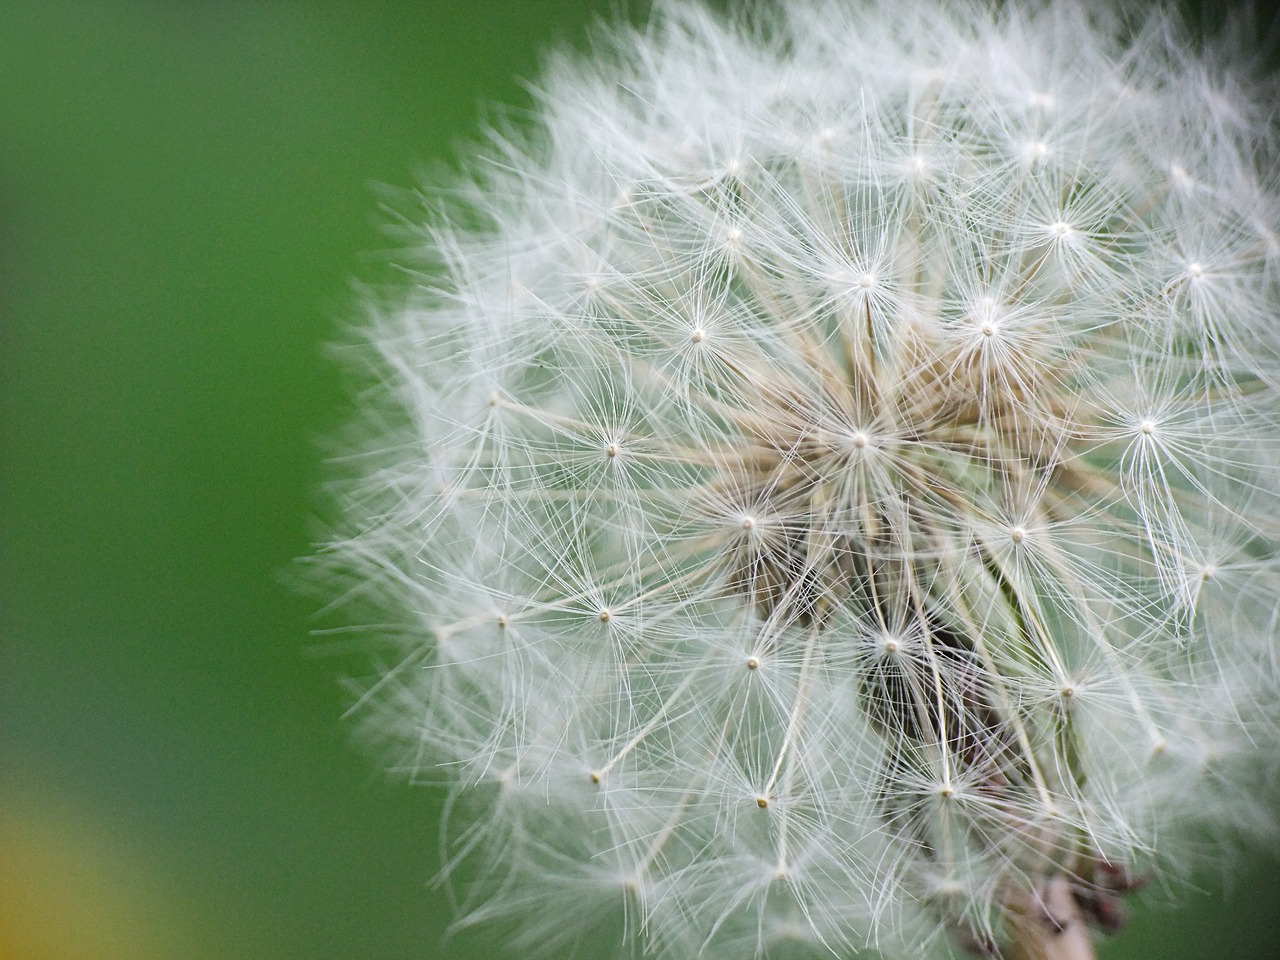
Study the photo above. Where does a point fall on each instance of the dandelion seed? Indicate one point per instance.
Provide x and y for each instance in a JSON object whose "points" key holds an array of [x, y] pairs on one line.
{"points": [[820, 491]]}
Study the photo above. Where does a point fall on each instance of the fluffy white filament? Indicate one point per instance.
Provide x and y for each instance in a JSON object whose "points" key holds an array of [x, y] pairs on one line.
{"points": [[821, 483]]}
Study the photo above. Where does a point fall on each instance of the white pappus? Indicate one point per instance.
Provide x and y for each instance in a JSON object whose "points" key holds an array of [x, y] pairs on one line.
{"points": [[817, 489]]}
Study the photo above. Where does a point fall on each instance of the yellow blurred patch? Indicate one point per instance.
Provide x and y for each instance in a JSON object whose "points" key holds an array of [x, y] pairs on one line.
{"points": [[73, 887]]}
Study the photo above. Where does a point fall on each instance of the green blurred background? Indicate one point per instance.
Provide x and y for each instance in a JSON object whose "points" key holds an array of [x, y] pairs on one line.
{"points": [[184, 196]]}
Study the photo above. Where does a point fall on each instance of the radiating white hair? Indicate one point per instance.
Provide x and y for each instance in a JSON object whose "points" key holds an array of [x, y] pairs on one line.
{"points": [[820, 481]]}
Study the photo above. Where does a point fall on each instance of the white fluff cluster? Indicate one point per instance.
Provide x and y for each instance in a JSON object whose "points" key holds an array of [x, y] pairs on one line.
{"points": [[822, 483]]}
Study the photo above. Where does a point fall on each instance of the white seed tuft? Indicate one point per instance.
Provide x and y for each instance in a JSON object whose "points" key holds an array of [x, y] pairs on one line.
{"points": [[922, 358]]}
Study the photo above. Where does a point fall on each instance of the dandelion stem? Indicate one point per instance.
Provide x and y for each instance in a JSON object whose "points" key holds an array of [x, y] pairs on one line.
{"points": [[1051, 927]]}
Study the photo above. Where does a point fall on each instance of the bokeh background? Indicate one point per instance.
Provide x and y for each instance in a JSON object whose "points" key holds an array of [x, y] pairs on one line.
{"points": [[185, 196]]}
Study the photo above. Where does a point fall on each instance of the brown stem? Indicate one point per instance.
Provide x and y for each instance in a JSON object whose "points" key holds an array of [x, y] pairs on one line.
{"points": [[1051, 927]]}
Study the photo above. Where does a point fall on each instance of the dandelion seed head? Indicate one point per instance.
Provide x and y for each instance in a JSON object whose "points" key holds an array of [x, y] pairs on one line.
{"points": [[818, 490]]}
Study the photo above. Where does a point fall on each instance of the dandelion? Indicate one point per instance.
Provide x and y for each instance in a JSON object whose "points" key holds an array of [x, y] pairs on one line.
{"points": [[818, 492]]}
